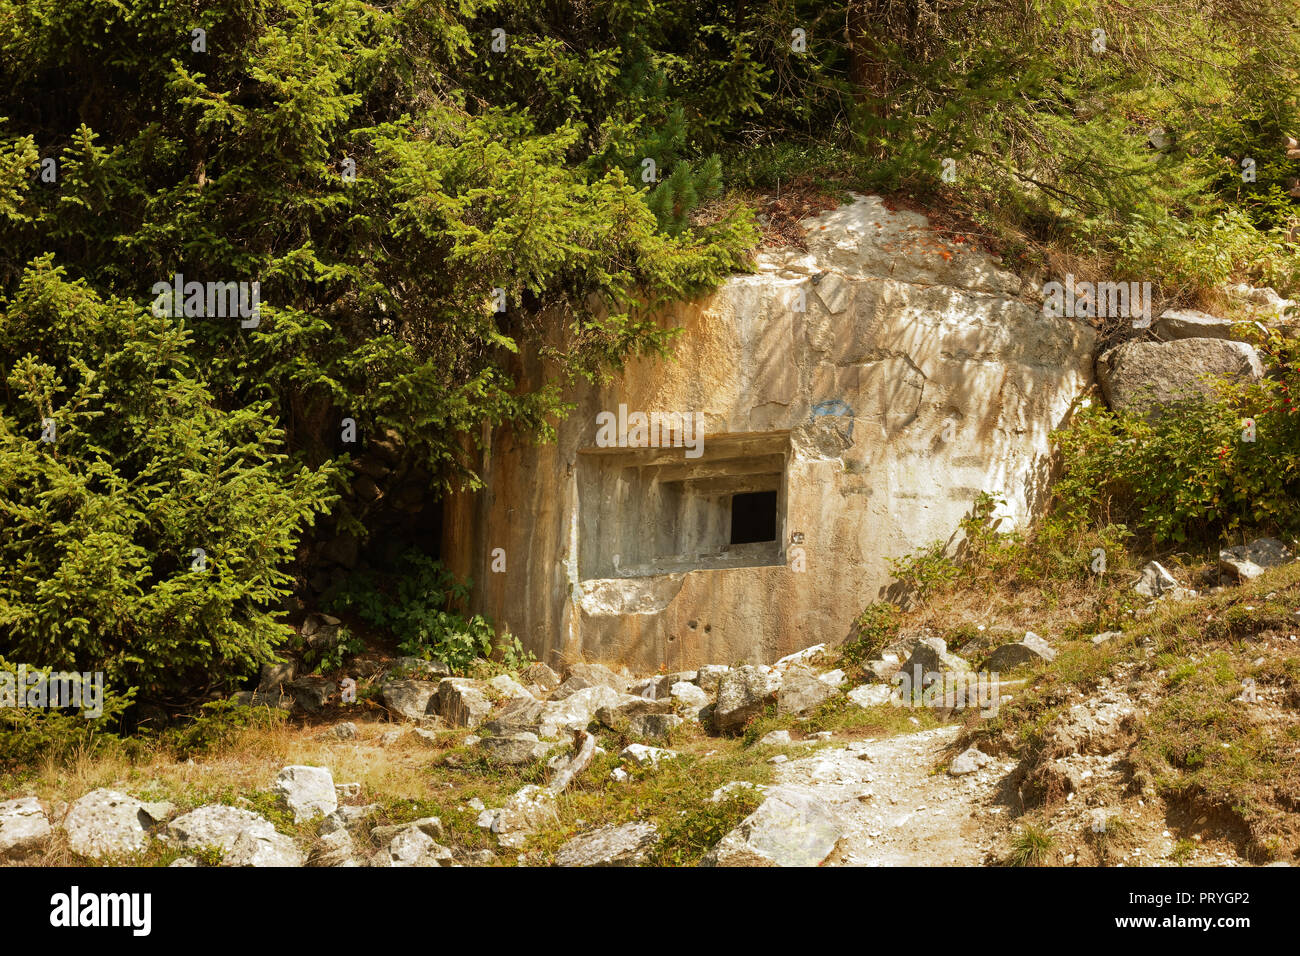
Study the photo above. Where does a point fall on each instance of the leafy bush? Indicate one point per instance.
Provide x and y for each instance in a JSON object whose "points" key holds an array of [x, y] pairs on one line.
{"points": [[30, 734], [418, 607], [148, 538], [1190, 473], [873, 630]]}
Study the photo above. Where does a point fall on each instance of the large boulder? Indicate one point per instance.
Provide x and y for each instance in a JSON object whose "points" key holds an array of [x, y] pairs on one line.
{"points": [[243, 837], [803, 691], [412, 846], [24, 829], [931, 656], [307, 791], [107, 823], [1030, 649], [1248, 561], [541, 676], [743, 692], [311, 694], [411, 699], [562, 717], [598, 675], [1138, 377], [626, 845], [462, 701], [513, 750], [792, 827]]}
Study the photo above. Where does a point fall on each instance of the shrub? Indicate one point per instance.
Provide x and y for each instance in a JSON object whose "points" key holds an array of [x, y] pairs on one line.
{"points": [[418, 606], [148, 538], [29, 734], [1190, 473]]}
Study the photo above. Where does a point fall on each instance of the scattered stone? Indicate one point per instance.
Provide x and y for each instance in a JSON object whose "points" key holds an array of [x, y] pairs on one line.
{"points": [[107, 823], [1029, 649], [968, 761], [871, 695], [617, 714], [462, 701], [775, 738], [1156, 581], [654, 726], [412, 847], [779, 758], [243, 837], [689, 696], [333, 849], [509, 688], [570, 687], [802, 658], [514, 750], [311, 694], [709, 677], [411, 699], [24, 828], [619, 775], [802, 691], [574, 712], [347, 791], [931, 656], [541, 675], [430, 826], [530, 808], [598, 675], [626, 845], [792, 827], [1104, 636], [417, 668], [644, 756], [345, 818], [885, 669], [1190, 324], [344, 731], [1249, 561], [273, 678], [390, 737], [736, 786], [742, 694], [307, 791]]}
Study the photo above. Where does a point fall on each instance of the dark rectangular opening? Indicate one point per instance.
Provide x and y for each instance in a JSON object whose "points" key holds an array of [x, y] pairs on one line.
{"points": [[753, 517]]}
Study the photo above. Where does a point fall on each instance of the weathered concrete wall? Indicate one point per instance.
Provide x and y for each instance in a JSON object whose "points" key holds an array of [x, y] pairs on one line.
{"points": [[914, 379]]}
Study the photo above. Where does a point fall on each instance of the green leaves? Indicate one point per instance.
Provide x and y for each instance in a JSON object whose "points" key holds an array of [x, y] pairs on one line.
{"points": [[98, 529]]}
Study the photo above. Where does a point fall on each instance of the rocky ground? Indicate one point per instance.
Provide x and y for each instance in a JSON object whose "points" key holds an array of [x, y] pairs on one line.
{"points": [[820, 759]]}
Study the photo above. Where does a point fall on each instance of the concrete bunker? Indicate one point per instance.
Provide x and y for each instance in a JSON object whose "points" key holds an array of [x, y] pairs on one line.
{"points": [[853, 397]]}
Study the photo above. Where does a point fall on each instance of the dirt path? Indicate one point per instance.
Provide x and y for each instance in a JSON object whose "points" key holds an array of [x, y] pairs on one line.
{"points": [[902, 806]]}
